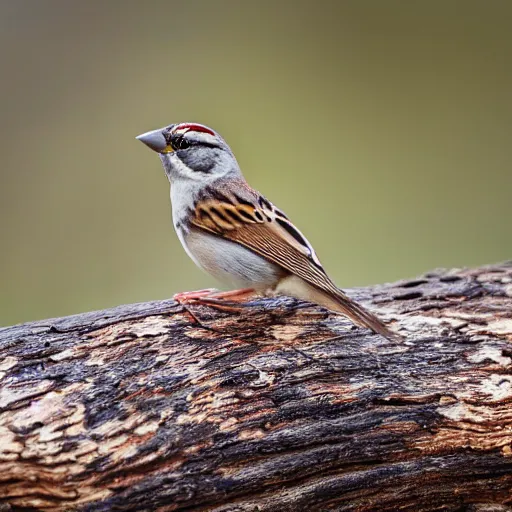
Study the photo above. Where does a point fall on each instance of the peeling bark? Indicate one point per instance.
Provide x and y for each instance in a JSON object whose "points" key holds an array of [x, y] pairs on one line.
{"points": [[279, 406]]}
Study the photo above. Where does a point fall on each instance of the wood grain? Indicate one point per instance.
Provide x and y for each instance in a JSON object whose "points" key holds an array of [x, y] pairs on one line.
{"points": [[279, 406]]}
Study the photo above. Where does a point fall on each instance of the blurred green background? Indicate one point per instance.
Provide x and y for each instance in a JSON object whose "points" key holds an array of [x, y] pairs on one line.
{"points": [[381, 127]]}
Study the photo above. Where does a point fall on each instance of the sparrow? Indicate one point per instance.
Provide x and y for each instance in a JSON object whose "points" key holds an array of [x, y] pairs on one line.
{"points": [[237, 235]]}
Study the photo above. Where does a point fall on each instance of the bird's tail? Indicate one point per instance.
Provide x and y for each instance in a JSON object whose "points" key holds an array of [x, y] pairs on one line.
{"points": [[361, 316], [327, 294]]}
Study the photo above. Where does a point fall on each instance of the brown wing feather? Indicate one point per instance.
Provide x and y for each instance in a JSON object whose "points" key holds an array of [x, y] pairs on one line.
{"points": [[266, 232], [256, 224]]}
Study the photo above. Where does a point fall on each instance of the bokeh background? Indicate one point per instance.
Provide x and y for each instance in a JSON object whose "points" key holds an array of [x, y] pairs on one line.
{"points": [[383, 128]]}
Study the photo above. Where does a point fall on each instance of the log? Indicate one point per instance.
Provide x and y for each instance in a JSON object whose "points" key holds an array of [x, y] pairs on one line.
{"points": [[277, 405]]}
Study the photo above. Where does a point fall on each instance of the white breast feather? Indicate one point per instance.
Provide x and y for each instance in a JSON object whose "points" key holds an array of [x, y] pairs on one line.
{"points": [[229, 262]]}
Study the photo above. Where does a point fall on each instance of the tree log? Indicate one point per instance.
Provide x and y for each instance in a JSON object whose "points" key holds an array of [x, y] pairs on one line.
{"points": [[274, 405]]}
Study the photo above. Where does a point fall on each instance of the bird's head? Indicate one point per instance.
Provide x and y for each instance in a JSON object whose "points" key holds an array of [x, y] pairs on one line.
{"points": [[191, 151]]}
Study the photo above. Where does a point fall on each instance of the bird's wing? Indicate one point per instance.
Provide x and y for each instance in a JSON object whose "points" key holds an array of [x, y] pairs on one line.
{"points": [[249, 219]]}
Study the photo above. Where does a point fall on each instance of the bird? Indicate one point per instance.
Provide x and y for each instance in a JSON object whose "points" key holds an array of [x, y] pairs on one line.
{"points": [[237, 235]]}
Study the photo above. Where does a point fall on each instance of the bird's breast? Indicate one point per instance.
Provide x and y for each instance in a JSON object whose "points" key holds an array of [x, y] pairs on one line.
{"points": [[228, 261]]}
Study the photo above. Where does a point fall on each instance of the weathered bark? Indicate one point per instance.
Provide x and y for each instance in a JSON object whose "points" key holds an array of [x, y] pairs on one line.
{"points": [[278, 407]]}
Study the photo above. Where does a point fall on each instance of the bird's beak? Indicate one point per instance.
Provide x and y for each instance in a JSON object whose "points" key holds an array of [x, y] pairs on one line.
{"points": [[156, 141]]}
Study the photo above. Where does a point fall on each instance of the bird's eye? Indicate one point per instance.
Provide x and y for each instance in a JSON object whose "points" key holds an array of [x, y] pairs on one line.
{"points": [[181, 143]]}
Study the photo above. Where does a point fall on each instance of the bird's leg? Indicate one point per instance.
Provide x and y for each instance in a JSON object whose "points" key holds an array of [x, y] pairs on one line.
{"points": [[233, 295], [185, 297], [215, 299], [218, 300]]}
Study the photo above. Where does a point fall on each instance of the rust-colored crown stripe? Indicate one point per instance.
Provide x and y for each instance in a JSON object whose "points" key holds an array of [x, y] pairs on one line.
{"points": [[195, 128]]}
